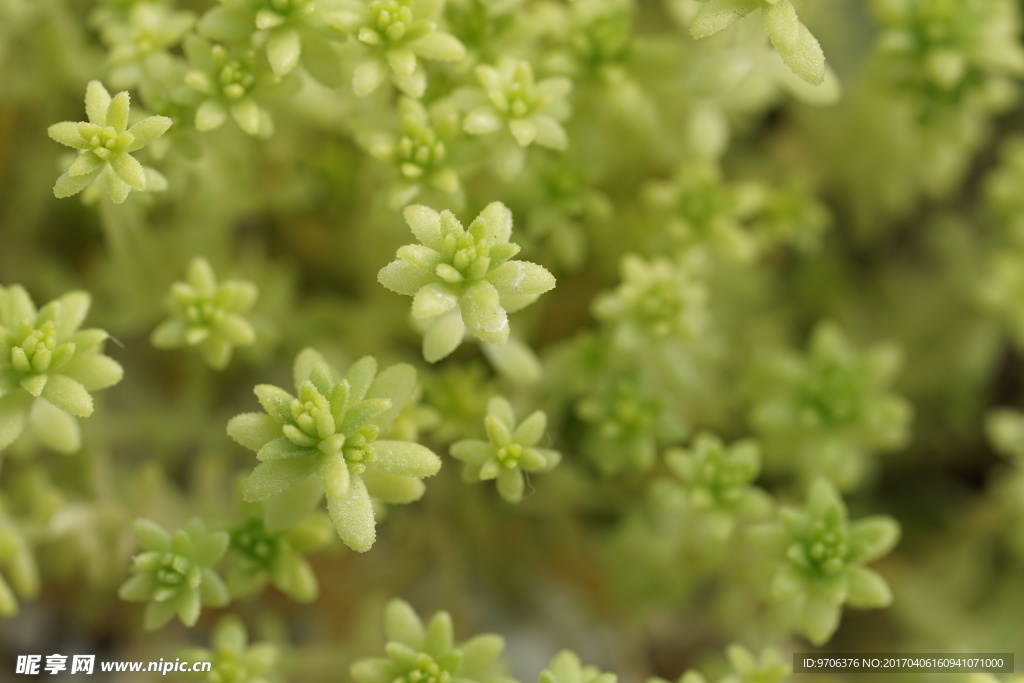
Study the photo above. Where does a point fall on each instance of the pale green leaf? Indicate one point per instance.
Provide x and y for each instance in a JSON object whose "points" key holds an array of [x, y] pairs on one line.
{"points": [[716, 15], [97, 102], [353, 517], [129, 170], [404, 458], [866, 589], [403, 625], [434, 299], [68, 395], [393, 489], [147, 130], [439, 46], [369, 74], [283, 49], [273, 477], [54, 427], [253, 430], [443, 336], [483, 314]]}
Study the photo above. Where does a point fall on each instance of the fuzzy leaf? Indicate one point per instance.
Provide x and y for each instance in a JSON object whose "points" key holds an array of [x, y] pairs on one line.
{"points": [[404, 458], [403, 625], [443, 336], [253, 430], [97, 102], [434, 299], [866, 589], [283, 49], [439, 46], [483, 314], [716, 15], [273, 477], [397, 384], [369, 74], [129, 170], [276, 401], [68, 395], [14, 409], [353, 517], [806, 58], [147, 130], [54, 427], [67, 133]]}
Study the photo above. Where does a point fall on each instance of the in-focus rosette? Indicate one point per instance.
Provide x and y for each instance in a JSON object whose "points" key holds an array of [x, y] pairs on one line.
{"points": [[329, 429], [463, 279]]}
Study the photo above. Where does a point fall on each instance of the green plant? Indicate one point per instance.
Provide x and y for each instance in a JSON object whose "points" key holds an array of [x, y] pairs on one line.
{"points": [[105, 143], [719, 450], [463, 279], [329, 428], [174, 574], [822, 555], [509, 452], [48, 367], [208, 315], [428, 652]]}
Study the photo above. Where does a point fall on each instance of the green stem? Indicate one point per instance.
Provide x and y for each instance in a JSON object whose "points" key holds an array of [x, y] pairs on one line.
{"points": [[132, 259]]}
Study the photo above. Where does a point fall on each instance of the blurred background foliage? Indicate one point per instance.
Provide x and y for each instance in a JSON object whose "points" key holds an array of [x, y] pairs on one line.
{"points": [[833, 273]]}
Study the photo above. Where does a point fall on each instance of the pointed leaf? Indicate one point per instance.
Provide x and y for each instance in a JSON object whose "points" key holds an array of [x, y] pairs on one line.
{"points": [[482, 121], [253, 430], [147, 130], [97, 102], [494, 224], [806, 59], [117, 189], [483, 314], [717, 15], [54, 427], [550, 133], [353, 517], [210, 548], [277, 402], [404, 458], [283, 49], [403, 625], [404, 278], [397, 384], [210, 115], [510, 484], [521, 277], [117, 112], [434, 299], [867, 589], [67, 133], [129, 170], [273, 477], [425, 224], [439, 46], [393, 489], [530, 431], [152, 536], [781, 22], [443, 336], [334, 475], [359, 377], [369, 73], [68, 185], [14, 408], [68, 395]]}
